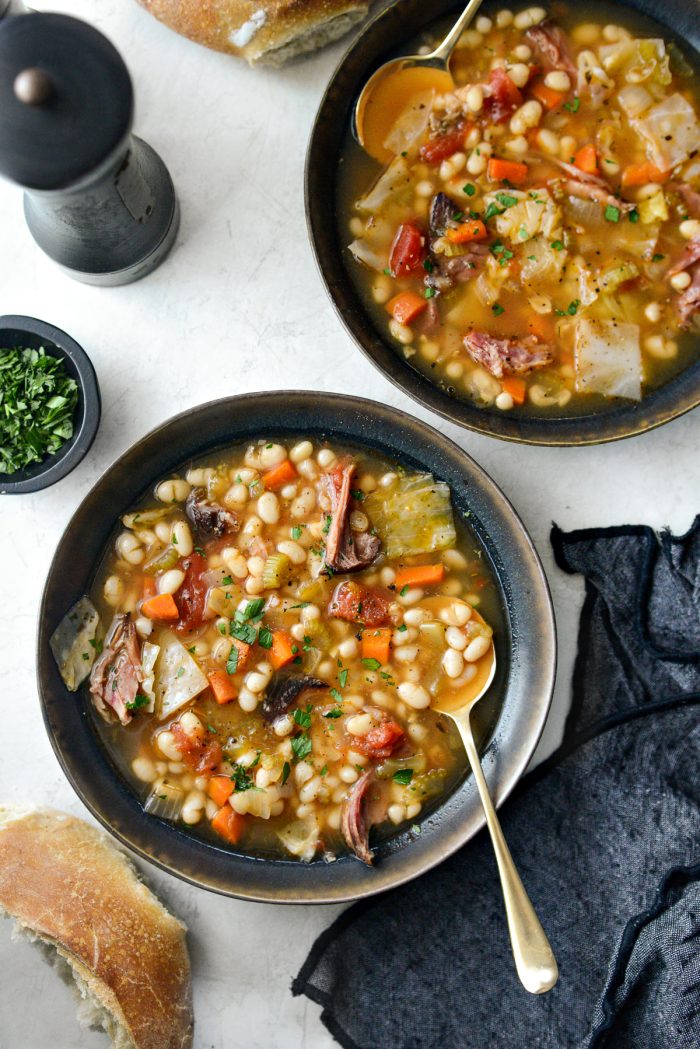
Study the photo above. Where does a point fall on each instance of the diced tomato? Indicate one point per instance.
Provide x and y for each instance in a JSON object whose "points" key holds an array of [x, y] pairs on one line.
{"points": [[504, 97], [407, 250], [210, 757], [357, 604], [440, 147], [200, 755], [381, 741], [192, 595]]}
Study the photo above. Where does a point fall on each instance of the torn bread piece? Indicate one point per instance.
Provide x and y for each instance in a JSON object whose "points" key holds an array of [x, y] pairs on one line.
{"points": [[269, 32], [70, 890]]}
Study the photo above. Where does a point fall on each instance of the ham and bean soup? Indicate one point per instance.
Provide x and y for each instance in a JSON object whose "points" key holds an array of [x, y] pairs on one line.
{"points": [[534, 244], [267, 636]]}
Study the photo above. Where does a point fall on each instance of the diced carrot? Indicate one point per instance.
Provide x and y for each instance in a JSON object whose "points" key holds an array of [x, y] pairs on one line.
{"points": [[517, 388], [162, 606], [279, 475], [283, 649], [550, 99], [541, 325], [640, 174], [222, 686], [406, 306], [149, 586], [507, 171], [220, 789], [420, 575], [228, 824], [376, 644], [586, 159], [468, 231], [244, 650]]}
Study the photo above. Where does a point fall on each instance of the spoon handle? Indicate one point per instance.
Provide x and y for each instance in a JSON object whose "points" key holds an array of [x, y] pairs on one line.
{"points": [[445, 49], [534, 958]]}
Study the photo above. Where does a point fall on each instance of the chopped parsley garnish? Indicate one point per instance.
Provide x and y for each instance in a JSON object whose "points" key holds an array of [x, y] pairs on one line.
{"points": [[138, 702], [428, 266], [324, 771], [469, 189], [97, 645], [335, 713], [429, 292], [232, 661], [243, 632], [336, 695], [327, 524], [227, 580], [303, 717], [570, 309], [497, 309], [492, 209], [301, 746], [296, 532], [222, 629], [265, 637], [357, 494], [633, 215], [199, 550], [573, 106], [38, 399], [371, 664], [403, 590], [180, 672], [403, 776], [501, 252], [253, 610], [557, 245], [343, 678], [506, 199], [286, 769], [241, 779], [657, 257], [612, 214], [402, 628]]}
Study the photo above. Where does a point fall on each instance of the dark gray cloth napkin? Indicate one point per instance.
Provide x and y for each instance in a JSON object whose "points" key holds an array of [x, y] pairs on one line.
{"points": [[605, 833]]}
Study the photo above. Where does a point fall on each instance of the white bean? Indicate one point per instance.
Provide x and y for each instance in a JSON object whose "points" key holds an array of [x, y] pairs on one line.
{"points": [[325, 458], [144, 769], [193, 807], [411, 597], [308, 469], [348, 774], [689, 228], [453, 662], [680, 281], [171, 581], [504, 402], [253, 526], [295, 553], [348, 649], [456, 614], [455, 638], [396, 813], [558, 80], [477, 648], [166, 745], [406, 654], [283, 726], [527, 116], [387, 575], [415, 695], [181, 538], [519, 74], [359, 724], [129, 548], [309, 792], [504, 18], [304, 502], [247, 700], [172, 491], [144, 626], [531, 16], [113, 590], [268, 508], [272, 455], [199, 475], [415, 616], [237, 495], [256, 682]]}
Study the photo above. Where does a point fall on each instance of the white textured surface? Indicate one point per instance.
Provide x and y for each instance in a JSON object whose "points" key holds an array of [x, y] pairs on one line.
{"points": [[239, 307]]}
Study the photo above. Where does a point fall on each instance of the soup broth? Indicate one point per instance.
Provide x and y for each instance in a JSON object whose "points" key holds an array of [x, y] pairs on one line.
{"points": [[274, 647], [534, 244]]}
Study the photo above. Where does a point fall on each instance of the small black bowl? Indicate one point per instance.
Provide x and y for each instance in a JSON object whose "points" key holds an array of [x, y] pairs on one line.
{"points": [[387, 36], [526, 648], [29, 333]]}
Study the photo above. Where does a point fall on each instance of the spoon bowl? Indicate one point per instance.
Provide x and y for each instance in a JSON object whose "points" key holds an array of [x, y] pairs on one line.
{"points": [[404, 83]]}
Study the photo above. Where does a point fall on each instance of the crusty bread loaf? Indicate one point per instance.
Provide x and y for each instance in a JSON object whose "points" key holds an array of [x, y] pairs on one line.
{"points": [[266, 31], [70, 889]]}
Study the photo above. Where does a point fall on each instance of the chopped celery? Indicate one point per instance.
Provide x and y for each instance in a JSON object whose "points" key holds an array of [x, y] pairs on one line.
{"points": [[414, 761], [276, 571], [613, 276], [162, 561], [414, 517]]}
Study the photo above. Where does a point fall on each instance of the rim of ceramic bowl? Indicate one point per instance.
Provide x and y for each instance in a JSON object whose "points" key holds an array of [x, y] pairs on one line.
{"points": [[379, 40], [29, 332], [526, 652]]}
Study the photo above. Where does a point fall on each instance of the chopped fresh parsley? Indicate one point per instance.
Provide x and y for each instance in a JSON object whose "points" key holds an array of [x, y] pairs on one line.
{"points": [[232, 661], [403, 590], [286, 769], [253, 610], [357, 494], [335, 713], [428, 266], [324, 771], [303, 717], [180, 672], [243, 632], [557, 245], [265, 637], [506, 199], [138, 702], [573, 106], [570, 309], [403, 776], [492, 209], [633, 215], [343, 678], [327, 524], [612, 214], [336, 695], [657, 257], [371, 664], [38, 399], [97, 645], [296, 532], [241, 779], [497, 309], [469, 189], [301, 746], [402, 628], [227, 580], [429, 292]]}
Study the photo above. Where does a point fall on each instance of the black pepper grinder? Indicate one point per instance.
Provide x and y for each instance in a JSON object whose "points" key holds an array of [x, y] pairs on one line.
{"points": [[98, 200]]}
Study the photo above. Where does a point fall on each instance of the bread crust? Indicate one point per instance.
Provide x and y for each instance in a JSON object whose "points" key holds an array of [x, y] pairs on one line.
{"points": [[266, 31], [65, 882]]}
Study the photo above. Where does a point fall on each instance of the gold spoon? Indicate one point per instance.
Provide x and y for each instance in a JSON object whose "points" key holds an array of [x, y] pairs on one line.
{"points": [[389, 90], [534, 958]]}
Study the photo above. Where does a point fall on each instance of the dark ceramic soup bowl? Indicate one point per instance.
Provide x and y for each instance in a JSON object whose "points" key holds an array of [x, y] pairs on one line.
{"points": [[526, 648], [390, 34]]}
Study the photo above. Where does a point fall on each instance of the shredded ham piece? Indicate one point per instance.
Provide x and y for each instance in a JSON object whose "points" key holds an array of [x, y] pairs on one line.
{"points": [[117, 673], [503, 357]]}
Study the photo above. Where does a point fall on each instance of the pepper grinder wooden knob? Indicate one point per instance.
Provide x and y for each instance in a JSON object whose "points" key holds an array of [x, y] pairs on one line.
{"points": [[98, 200]]}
